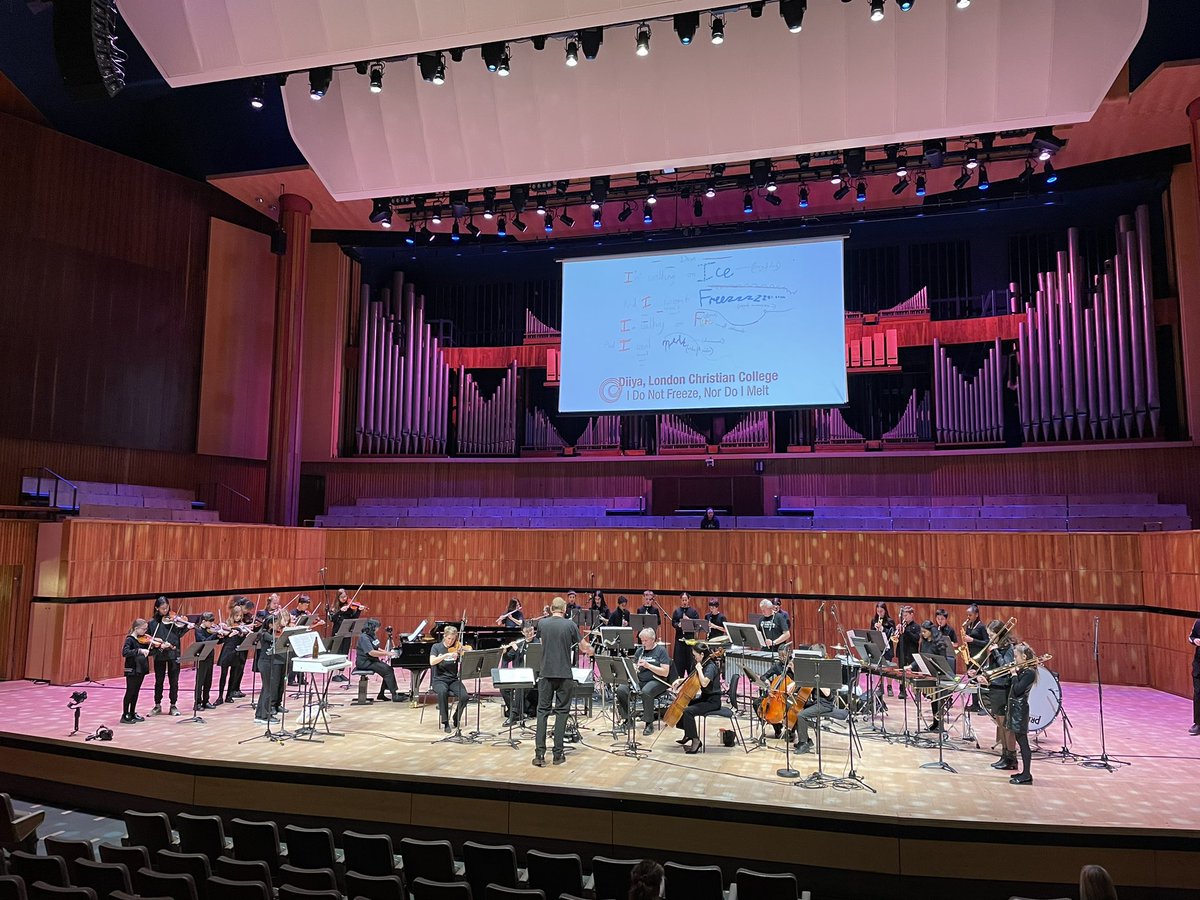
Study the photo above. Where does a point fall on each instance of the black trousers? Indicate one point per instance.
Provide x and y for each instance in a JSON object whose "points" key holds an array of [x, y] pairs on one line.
{"points": [[649, 691], [683, 659], [554, 695], [170, 669], [1026, 751], [133, 686], [271, 674], [519, 701], [1196, 698], [812, 714], [699, 707], [204, 673], [233, 671], [384, 671], [444, 689]]}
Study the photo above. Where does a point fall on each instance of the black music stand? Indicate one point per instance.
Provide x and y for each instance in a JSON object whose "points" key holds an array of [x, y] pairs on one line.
{"points": [[196, 653], [472, 664], [617, 638], [252, 641], [825, 674], [618, 670], [935, 666], [638, 621], [517, 679], [345, 639]]}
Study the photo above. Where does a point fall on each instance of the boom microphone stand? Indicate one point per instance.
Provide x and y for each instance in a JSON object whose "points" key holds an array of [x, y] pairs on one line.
{"points": [[787, 771], [1103, 761]]}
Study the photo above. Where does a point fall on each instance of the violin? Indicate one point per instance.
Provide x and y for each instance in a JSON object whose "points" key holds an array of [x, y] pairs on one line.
{"points": [[178, 621], [152, 642]]}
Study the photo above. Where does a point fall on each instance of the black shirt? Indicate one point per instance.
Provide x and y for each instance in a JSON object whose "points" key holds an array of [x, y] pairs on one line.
{"points": [[136, 663], [677, 617], [910, 643], [1000, 656], [559, 638], [658, 655], [619, 617], [649, 609], [978, 634], [774, 625], [706, 523], [947, 631], [172, 634], [716, 619], [515, 655], [447, 669], [366, 643], [712, 671], [1196, 655]]}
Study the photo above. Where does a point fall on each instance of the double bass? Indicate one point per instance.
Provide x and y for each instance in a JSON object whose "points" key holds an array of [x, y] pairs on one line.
{"points": [[776, 705], [690, 688]]}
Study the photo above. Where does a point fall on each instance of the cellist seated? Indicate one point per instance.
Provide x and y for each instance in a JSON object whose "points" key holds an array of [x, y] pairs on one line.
{"points": [[703, 686], [782, 665]]}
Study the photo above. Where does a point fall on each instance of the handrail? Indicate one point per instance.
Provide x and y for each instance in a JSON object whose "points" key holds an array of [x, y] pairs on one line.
{"points": [[37, 472], [217, 487], [52, 472]]}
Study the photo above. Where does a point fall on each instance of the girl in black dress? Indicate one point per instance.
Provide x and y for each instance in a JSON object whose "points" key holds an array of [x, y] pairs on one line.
{"points": [[1017, 716], [136, 652]]}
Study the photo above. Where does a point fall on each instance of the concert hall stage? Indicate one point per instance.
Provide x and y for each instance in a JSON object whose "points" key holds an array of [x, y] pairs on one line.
{"points": [[927, 828]]}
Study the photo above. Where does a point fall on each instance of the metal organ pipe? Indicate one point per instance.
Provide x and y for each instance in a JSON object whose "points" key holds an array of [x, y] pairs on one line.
{"points": [[1150, 352], [360, 419], [973, 409]]}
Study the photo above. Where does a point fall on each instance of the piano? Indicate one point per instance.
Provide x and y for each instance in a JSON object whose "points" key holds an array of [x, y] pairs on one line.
{"points": [[481, 637]]}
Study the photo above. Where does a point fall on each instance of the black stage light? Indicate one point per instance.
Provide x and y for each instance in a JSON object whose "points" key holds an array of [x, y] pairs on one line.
{"points": [[792, 12], [860, 192], [710, 188], [375, 75], [643, 39], [591, 39], [433, 67], [566, 218], [625, 213], [773, 199], [652, 194], [905, 5], [1048, 171], [410, 236], [747, 203], [381, 209], [455, 234], [436, 218], [473, 229], [457, 53], [934, 152], [501, 227], [1027, 174], [920, 186], [1046, 143], [648, 214], [900, 186], [697, 207], [803, 196], [961, 181], [258, 90], [597, 218], [718, 29], [489, 202], [876, 10], [540, 207], [548, 219], [319, 80], [984, 181], [599, 190], [538, 41], [756, 9], [519, 224], [572, 53], [518, 196], [842, 191], [686, 25], [491, 54]]}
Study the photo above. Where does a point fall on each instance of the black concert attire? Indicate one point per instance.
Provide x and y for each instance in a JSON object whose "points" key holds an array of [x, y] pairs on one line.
{"points": [[706, 702], [935, 646], [232, 663], [1195, 635], [977, 632], [717, 618], [683, 653], [601, 610], [1016, 717], [518, 702], [204, 670], [513, 618], [707, 524], [775, 626], [269, 661], [949, 638], [619, 617], [445, 681], [137, 666], [364, 661], [649, 609], [649, 685], [997, 692], [816, 706], [559, 639], [909, 643], [166, 660], [889, 628]]}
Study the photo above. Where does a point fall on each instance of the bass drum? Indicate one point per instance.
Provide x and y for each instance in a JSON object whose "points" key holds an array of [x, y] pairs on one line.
{"points": [[1045, 700]]}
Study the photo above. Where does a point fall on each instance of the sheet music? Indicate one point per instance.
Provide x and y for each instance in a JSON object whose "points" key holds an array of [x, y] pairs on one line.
{"points": [[302, 644]]}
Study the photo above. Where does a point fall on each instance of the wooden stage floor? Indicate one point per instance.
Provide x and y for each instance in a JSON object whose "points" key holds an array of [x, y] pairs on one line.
{"points": [[1140, 819]]}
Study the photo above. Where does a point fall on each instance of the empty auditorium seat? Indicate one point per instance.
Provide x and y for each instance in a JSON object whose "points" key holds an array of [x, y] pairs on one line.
{"points": [[375, 887], [431, 860], [693, 882], [257, 841], [764, 886], [556, 873], [18, 830], [307, 879], [424, 889], [610, 877], [313, 847], [151, 830], [103, 878], [369, 854], [32, 867], [202, 834], [490, 864], [131, 857]]}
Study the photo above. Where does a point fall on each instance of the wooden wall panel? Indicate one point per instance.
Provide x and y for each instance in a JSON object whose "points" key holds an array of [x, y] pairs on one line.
{"points": [[333, 280], [18, 557]]}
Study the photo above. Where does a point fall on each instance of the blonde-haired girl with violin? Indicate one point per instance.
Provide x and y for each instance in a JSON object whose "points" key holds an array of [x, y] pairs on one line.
{"points": [[136, 652]]}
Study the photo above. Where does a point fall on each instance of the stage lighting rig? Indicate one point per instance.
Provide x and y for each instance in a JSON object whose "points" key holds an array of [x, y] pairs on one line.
{"points": [[718, 29], [433, 67], [685, 26], [643, 39], [375, 76], [319, 80], [792, 12], [591, 39]]}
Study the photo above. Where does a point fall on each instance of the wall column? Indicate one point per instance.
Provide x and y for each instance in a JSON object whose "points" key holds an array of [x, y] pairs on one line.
{"points": [[1185, 226], [283, 435]]}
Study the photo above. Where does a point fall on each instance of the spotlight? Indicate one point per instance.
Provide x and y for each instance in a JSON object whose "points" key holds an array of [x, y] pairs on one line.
{"points": [[505, 59], [1046, 143], [1048, 171], [258, 88], [410, 237], [519, 224], [436, 218], [381, 209], [548, 219], [747, 203], [491, 54], [1026, 174], [836, 179], [718, 29], [647, 213], [457, 54], [697, 207], [432, 67], [920, 185], [427, 234], [473, 229], [625, 213], [860, 192], [841, 192], [643, 40], [597, 218], [773, 199], [771, 184], [901, 167], [876, 10], [561, 186], [501, 227], [962, 4], [387, 223], [540, 208], [792, 12], [972, 158], [572, 53], [756, 9], [905, 5], [652, 196], [803, 196], [518, 196], [685, 26], [455, 234], [599, 190], [900, 186], [934, 152], [489, 202], [961, 181], [566, 219], [590, 40], [538, 41], [710, 188], [319, 80], [984, 182], [375, 74]]}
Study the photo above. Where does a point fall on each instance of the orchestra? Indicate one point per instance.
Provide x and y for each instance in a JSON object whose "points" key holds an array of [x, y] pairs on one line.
{"points": [[1004, 670]]}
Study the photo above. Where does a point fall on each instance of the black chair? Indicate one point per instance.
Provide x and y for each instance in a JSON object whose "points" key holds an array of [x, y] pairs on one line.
{"points": [[375, 887], [369, 854], [555, 873], [12, 887], [257, 841], [431, 860], [764, 886], [287, 892], [693, 882], [228, 889], [499, 892], [128, 895], [50, 869], [490, 864], [39, 890], [149, 883], [151, 830], [424, 889], [69, 850], [572, 897], [307, 879], [18, 831], [132, 858], [244, 870], [202, 834], [610, 877], [312, 845], [103, 878], [195, 864]]}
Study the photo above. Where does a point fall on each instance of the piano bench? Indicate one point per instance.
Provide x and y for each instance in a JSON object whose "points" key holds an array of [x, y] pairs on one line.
{"points": [[362, 699]]}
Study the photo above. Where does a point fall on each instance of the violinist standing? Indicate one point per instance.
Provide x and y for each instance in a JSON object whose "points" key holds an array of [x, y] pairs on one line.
{"points": [[232, 660], [343, 608], [170, 629], [270, 661], [208, 631], [137, 666]]}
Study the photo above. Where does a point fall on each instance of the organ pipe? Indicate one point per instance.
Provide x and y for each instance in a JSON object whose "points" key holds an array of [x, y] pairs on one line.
{"points": [[360, 424], [487, 427], [970, 409]]}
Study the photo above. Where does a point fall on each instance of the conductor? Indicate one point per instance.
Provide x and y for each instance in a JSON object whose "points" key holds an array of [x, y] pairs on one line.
{"points": [[559, 637]]}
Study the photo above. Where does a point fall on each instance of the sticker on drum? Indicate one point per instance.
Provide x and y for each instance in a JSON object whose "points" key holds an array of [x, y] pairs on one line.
{"points": [[1045, 700]]}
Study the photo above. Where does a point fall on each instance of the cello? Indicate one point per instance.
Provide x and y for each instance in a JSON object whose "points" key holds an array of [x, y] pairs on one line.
{"points": [[690, 688]]}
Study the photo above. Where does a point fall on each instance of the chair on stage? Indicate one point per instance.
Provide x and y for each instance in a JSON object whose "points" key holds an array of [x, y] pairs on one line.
{"points": [[194, 864], [556, 873], [723, 713], [103, 878], [244, 870], [257, 841], [313, 845], [307, 879], [32, 867], [768, 886], [369, 854], [149, 883], [202, 834], [490, 864], [375, 887], [424, 889], [287, 892], [151, 830], [693, 882], [228, 889], [610, 877], [12, 887], [431, 860], [39, 890], [19, 831], [132, 857], [497, 892]]}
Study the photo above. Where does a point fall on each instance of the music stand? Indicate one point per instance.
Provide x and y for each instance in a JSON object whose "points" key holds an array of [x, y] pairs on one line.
{"points": [[584, 618], [251, 641], [821, 674], [197, 652], [345, 639], [617, 637], [638, 621], [517, 679], [693, 628], [582, 688], [472, 664]]}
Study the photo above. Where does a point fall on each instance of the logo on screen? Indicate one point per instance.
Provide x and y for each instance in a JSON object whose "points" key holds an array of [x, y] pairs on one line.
{"points": [[611, 389]]}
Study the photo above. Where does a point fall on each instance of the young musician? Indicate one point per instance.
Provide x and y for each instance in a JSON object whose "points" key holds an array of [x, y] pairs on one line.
{"points": [[708, 671], [975, 638], [513, 617], [619, 617], [371, 656], [782, 664], [519, 703], [343, 608], [1001, 654], [559, 636], [169, 629], [137, 666], [819, 704], [599, 608], [932, 644], [207, 632], [883, 622], [683, 653], [942, 626], [269, 661], [572, 603], [653, 665], [710, 522], [715, 618], [906, 639], [443, 658], [1194, 639], [232, 661], [648, 607], [1017, 718]]}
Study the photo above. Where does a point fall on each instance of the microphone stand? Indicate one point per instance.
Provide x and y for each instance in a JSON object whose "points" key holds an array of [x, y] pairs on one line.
{"points": [[1103, 761], [787, 771]]}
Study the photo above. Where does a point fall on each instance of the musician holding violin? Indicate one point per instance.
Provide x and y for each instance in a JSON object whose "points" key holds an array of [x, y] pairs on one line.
{"points": [[653, 665], [270, 661], [232, 659], [170, 630], [136, 653], [697, 694], [209, 629], [444, 660]]}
